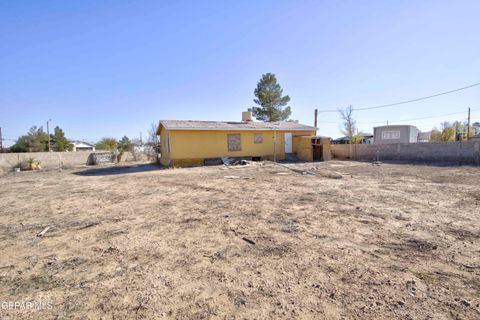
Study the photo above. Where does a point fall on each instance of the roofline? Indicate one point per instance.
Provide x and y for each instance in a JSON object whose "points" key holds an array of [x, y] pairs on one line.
{"points": [[395, 125], [273, 128], [78, 141], [159, 128], [238, 129]]}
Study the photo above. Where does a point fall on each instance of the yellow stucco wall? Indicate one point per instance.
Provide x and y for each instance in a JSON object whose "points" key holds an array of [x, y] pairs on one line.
{"points": [[304, 149], [191, 146], [326, 152]]}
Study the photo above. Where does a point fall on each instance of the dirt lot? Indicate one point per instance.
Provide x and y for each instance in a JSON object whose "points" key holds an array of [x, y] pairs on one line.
{"points": [[350, 240]]}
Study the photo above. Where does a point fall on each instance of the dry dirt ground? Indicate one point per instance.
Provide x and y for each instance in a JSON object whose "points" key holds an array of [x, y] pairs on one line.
{"points": [[346, 240]]}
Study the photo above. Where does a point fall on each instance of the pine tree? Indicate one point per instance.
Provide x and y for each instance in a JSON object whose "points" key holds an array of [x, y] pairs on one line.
{"points": [[59, 141], [270, 100]]}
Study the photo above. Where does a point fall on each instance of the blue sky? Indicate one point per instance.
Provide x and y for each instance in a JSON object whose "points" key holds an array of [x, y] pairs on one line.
{"points": [[110, 68]]}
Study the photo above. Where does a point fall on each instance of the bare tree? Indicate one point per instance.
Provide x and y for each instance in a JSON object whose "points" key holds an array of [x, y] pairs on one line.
{"points": [[349, 126], [153, 142], [152, 134]]}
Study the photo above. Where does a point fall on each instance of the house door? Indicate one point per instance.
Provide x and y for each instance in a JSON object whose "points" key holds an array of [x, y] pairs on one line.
{"points": [[317, 150], [288, 142]]}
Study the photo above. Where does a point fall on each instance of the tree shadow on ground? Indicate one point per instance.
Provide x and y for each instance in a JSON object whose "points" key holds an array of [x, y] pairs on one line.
{"points": [[116, 170]]}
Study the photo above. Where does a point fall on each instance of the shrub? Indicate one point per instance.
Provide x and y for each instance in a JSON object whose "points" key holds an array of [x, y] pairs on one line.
{"points": [[32, 164]]}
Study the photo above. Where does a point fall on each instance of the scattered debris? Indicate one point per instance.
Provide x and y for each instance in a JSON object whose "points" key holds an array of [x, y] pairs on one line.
{"points": [[240, 163], [91, 224], [41, 234], [227, 161], [304, 172], [235, 161], [466, 303], [237, 177], [248, 240]]}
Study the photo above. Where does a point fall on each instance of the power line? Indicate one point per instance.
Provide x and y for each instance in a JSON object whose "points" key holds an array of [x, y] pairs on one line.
{"points": [[422, 118], [408, 101], [411, 119]]}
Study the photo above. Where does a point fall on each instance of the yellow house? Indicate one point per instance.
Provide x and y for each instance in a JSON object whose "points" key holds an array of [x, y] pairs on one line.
{"points": [[192, 143]]}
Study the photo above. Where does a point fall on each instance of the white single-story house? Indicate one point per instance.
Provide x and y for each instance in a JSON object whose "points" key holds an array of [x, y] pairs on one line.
{"points": [[82, 146]]}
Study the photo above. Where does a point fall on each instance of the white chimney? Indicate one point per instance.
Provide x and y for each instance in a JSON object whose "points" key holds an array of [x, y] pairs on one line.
{"points": [[246, 116]]}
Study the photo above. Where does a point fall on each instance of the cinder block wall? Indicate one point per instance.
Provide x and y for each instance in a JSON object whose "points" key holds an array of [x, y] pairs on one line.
{"points": [[467, 152], [48, 160], [56, 160]]}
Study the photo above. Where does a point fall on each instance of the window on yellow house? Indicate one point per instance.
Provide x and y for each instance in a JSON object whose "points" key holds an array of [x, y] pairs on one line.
{"points": [[234, 142], [258, 138]]}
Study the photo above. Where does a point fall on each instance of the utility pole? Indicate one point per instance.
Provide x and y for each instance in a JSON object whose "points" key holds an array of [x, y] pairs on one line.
{"points": [[315, 121], [274, 144], [141, 141], [468, 125], [1, 140], [48, 133]]}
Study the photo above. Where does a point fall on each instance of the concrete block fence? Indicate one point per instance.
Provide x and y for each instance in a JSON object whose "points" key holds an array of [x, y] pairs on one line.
{"points": [[466, 152]]}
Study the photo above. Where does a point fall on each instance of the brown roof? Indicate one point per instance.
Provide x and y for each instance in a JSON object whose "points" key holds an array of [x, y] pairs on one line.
{"points": [[234, 126]]}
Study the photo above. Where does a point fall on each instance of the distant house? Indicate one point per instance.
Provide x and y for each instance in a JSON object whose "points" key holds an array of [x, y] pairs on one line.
{"points": [[395, 134], [367, 138], [190, 143], [341, 140], [82, 146]]}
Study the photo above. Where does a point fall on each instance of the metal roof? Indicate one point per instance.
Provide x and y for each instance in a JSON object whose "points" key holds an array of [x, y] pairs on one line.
{"points": [[233, 126]]}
